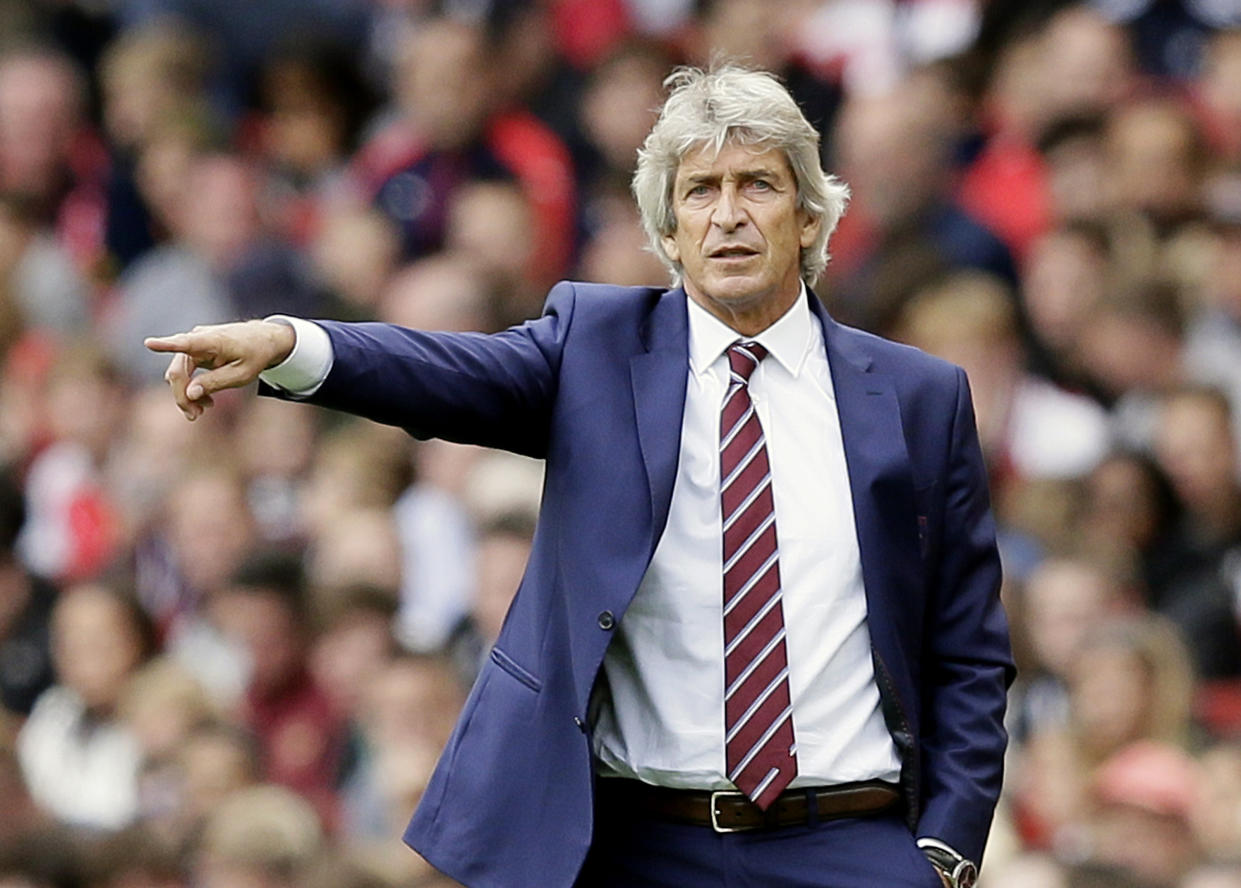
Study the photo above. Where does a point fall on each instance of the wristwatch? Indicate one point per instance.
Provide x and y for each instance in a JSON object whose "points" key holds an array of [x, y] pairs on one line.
{"points": [[958, 871]]}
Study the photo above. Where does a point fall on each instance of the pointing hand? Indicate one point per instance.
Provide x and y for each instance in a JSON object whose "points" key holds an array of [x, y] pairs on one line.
{"points": [[231, 355]]}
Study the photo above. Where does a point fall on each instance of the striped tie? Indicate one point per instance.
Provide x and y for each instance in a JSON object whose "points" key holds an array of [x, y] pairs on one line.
{"points": [[760, 751]]}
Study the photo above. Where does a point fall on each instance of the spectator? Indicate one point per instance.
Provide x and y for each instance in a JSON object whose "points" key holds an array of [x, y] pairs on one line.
{"points": [[360, 546], [446, 291], [1063, 600], [222, 260], [1194, 444], [782, 39], [1144, 795], [148, 457], [1049, 67], [215, 760], [276, 445], [1132, 351], [406, 718], [47, 152], [299, 733], [315, 105], [437, 539], [1073, 154], [491, 223], [1088, 65], [905, 224], [1067, 275], [73, 532], [354, 253], [357, 466], [1130, 504], [149, 76], [161, 706], [450, 131], [503, 548], [615, 250], [25, 614], [79, 759], [1156, 160], [1028, 428], [1130, 680], [205, 533], [616, 112], [264, 836], [42, 289], [354, 642]]}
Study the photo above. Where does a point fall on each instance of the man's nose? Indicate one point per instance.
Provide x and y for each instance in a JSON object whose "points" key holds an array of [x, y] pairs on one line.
{"points": [[729, 213]]}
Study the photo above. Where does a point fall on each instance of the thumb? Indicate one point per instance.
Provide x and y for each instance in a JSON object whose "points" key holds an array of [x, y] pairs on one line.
{"points": [[231, 375]]}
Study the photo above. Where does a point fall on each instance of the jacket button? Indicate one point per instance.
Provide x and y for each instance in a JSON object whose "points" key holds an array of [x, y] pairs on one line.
{"points": [[581, 725], [606, 620]]}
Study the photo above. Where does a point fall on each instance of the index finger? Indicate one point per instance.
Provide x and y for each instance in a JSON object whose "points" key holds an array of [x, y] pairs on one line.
{"points": [[178, 342]]}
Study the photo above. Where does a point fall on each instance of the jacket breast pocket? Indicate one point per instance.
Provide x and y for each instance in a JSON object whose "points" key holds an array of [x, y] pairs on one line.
{"points": [[516, 670]]}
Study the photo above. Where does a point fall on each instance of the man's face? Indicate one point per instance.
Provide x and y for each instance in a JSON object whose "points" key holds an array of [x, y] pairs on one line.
{"points": [[739, 233]]}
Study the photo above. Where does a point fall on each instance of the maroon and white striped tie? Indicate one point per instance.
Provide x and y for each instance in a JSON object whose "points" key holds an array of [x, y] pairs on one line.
{"points": [[760, 750]]}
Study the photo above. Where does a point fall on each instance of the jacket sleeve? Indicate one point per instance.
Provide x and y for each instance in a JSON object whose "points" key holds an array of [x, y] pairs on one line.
{"points": [[968, 666], [494, 390]]}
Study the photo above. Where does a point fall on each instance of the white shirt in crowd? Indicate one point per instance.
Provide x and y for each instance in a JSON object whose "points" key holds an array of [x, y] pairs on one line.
{"points": [[84, 772]]}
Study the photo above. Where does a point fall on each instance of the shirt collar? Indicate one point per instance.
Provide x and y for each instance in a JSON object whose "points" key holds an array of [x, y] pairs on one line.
{"points": [[788, 340]]}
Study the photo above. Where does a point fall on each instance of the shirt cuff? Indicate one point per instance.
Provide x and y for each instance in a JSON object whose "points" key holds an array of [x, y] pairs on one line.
{"points": [[928, 842], [308, 364]]}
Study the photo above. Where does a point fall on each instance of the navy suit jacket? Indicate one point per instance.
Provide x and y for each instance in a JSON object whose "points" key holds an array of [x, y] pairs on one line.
{"points": [[596, 386]]}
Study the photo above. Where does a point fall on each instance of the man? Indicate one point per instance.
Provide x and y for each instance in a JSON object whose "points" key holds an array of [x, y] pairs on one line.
{"points": [[679, 695]]}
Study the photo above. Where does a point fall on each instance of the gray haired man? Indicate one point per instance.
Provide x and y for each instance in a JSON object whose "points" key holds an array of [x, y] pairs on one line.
{"points": [[759, 639]]}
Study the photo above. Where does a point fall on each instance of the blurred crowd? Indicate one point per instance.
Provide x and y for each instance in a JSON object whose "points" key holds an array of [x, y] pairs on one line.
{"points": [[231, 651]]}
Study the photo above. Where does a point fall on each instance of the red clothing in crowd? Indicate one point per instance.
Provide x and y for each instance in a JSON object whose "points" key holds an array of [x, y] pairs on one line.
{"points": [[301, 739]]}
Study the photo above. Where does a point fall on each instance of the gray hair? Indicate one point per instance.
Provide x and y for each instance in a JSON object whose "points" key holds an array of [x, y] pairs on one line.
{"points": [[733, 104]]}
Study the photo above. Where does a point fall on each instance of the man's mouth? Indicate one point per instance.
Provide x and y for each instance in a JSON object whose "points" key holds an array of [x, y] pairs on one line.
{"points": [[734, 252]]}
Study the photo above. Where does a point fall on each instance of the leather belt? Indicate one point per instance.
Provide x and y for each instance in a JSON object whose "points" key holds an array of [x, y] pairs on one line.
{"points": [[729, 811]]}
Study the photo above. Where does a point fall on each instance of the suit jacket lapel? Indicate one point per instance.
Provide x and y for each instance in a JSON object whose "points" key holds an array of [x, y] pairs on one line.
{"points": [[659, 377], [881, 481]]}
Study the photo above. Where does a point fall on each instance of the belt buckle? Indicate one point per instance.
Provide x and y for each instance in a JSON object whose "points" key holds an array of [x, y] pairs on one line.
{"points": [[715, 819]]}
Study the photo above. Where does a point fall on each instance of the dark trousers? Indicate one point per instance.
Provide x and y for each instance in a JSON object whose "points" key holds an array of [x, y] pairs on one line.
{"points": [[863, 852]]}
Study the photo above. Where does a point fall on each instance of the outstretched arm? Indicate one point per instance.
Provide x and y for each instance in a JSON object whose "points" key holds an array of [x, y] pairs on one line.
{"points": [[230, 356]]}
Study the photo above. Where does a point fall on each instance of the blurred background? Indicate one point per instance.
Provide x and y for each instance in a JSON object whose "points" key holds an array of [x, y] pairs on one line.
{"points": [[230, 652]]}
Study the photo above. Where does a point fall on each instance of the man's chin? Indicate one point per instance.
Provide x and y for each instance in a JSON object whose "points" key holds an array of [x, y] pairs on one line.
{"points": [[736, 290]]}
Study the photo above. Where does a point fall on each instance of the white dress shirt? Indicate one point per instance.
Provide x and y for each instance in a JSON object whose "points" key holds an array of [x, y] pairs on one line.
{"points": [[659, 713]]}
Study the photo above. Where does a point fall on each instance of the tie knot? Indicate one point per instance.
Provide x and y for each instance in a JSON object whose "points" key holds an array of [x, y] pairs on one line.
{"points": [[743, 357]]}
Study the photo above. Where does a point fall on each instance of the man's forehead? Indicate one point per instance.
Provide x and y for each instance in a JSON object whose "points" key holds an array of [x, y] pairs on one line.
{"points": [[732, 157]]}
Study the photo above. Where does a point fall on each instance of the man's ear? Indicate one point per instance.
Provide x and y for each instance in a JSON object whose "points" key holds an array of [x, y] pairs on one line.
{"points": [[810, 225], [670, 247]]}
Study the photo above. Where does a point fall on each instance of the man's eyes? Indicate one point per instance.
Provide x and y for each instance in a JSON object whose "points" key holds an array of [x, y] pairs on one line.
{"points": [[703, 189]]}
